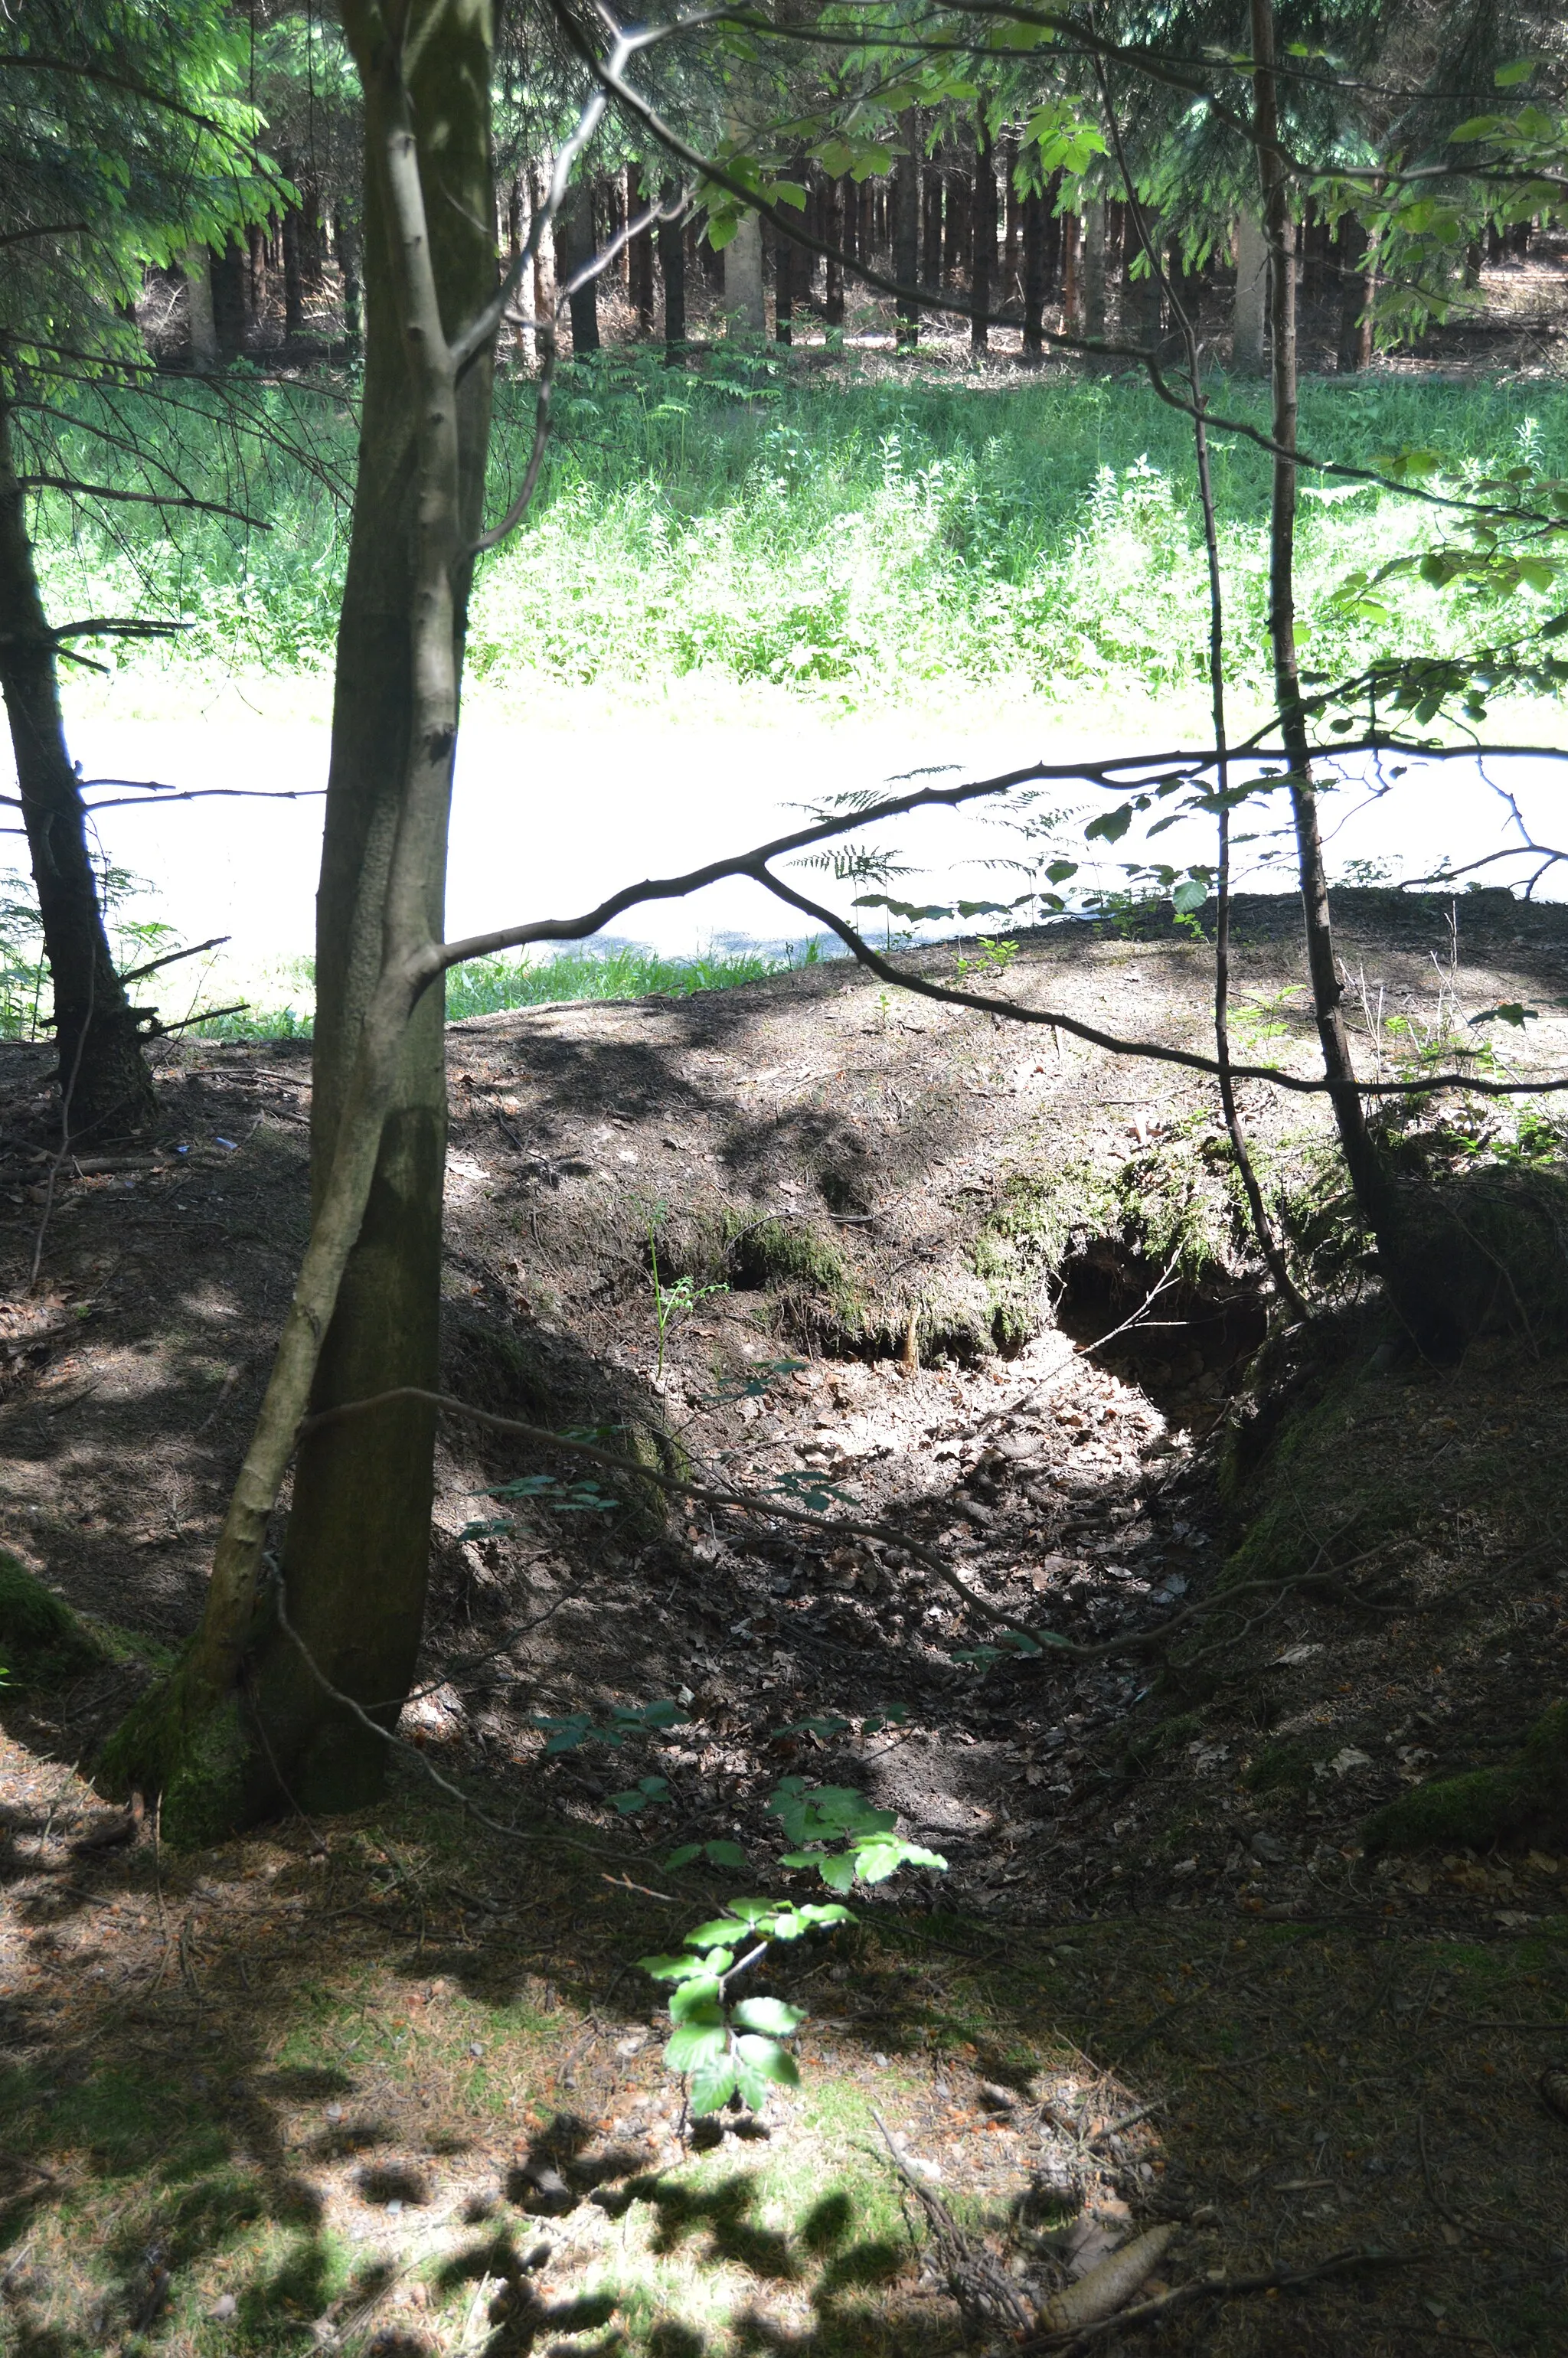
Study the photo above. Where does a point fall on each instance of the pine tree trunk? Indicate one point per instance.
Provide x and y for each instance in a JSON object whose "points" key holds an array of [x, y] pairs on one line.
{"points": [[196, 263], [1248, 318], [1036, 270], [837, 216], [1355, 339], [1094, 307], [784, 251], [906, 229], [672, 268], [982, 237], [351, 262], [574, 248], [642, 254], [102, 1074]]}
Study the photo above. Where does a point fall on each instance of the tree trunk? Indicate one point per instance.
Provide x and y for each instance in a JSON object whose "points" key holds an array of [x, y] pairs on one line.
{"points": [[545, 250], [1013, 225], [1094, 318], [957, 214], [1070, 291], [357, 1549], [931, 229], [1035, 277], [837, 216], [1369, 1177], [743, 297], [574, 249], [1248, 316], [293, 290], [785, 252], [351, 262], [672, 268], [641, 254], [102, 1074], [906, 229], [982, 237], [197, 265], [1141, 300], [1355, 339], [228, 283]]}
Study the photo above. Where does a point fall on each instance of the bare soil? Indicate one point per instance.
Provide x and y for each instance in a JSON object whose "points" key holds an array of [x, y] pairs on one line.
{"points": [[321, 2072]]}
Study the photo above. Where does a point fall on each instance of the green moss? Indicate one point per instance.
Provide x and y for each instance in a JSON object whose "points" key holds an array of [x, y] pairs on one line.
{"points": [[1284, 1768], [201, 1764], [1527, 1794], [42, 1642]]}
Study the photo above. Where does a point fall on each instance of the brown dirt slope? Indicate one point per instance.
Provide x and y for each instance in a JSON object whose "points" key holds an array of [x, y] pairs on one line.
{"points": [[352, 2080]]}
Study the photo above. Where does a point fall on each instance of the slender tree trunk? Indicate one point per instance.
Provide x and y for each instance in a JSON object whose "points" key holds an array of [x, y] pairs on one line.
{"points": [[228, 283], [672, 268], [641, 254], [784, 251], [1035, 277], [1013, 223], [574, 248], [103, 1073], [957, 215], [906, 228], [982, 236], [931, 229], [545, 250], [1142, 300], [1368, 1175], [743, 295], [1355, 340], [1070, 294], [1094, 318], [836, 219], [1250, 315], [197, 265], [351, 262]]}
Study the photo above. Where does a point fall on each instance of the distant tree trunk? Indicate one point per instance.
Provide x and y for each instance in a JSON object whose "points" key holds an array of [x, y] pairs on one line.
{"points": [[1035, 277], [544, 252], [350, 263], [103, 1073], [1249, 313], [931, 228], [642, 254], [1070, 292], [1013, 223], [1141, 300], [228, 283], [865, 222], [1186, 290], [672, 269], [744, 296], [982, 236], [255, 274], [1355, 339], [293, 290], [310, 236], [906, 229], [574, 249], [785, 252], [1094, 324], [836, 219], [197, 265], [956, 220]]}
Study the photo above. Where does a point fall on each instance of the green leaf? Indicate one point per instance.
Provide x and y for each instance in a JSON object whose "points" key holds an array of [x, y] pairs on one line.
{"points": [[769, 2013], [697, 2001], [1508, 76], [899, 908], [695, 2045], [713, 2085], [1478, 126], [721, 228], [836, 1869], [810, 1916], [725, 1854], [722, 1928], [1512, 1013], [769, 2060], [1188, 897], [683, 1856], [1555, 628], [1111, 825]]}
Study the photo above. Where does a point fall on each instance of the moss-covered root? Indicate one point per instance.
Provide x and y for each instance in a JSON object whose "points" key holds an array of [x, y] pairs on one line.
{"points": [[1527, 1795], [42, 1643], [198, 1763]]}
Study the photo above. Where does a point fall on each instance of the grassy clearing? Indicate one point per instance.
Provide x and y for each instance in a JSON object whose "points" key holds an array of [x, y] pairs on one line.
{"points": [[841, 537]]}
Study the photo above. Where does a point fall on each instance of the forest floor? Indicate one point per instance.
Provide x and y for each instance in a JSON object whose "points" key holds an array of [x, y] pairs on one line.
{"points": [[393, 2083]]}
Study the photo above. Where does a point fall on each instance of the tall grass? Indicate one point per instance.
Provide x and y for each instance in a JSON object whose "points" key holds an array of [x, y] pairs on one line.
{"points": [[835, 533]]}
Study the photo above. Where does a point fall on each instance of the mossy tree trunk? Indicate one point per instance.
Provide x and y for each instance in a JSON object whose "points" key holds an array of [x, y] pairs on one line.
{"points": [[245, 1724]]}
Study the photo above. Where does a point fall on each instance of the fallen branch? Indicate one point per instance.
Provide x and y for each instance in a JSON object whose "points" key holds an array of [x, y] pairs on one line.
{"points": [[1215, 2287]]}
